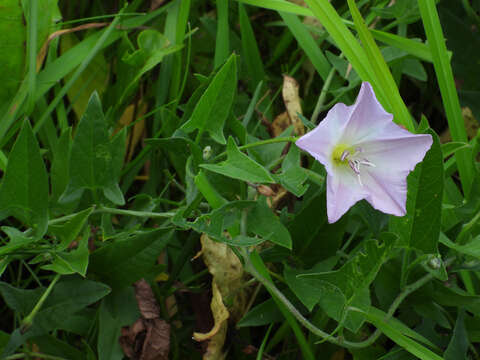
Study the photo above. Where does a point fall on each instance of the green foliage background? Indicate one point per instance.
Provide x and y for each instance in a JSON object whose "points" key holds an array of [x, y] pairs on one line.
{"points": [[131, 130]]}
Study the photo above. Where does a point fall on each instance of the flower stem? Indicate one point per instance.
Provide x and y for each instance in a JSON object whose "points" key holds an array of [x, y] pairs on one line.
{"points": [[462, 236], [405, 268], [259, 143], [103, 209], [28, 320], [340, 341], [323, 94]]}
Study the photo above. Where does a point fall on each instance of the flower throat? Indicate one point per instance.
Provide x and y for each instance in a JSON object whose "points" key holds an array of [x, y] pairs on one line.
{"points": [[343, 155]]}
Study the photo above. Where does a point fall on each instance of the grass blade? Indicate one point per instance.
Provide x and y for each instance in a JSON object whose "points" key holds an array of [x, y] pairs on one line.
{"points": [[307, 43], [441, 63], [222, 43], [381, 70], [251, 54]]}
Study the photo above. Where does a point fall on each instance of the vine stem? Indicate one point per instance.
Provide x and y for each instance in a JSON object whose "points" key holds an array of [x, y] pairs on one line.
{"points": [[104, 209], [340, 341], [259, 143], [323, 94], [28, 320]]}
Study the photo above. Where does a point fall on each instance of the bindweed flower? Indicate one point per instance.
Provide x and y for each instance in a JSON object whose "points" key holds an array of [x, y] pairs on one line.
{"points": [[366, 155]]}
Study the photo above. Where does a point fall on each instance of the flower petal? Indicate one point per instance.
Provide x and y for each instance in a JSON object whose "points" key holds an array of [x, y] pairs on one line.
{"points": [[387, 191], [367, 117], [394, 159], [320, 141], [343, 191], [392, 154]]}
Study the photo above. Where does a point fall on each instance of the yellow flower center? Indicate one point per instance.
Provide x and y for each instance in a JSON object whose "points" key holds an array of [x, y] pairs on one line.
{"points": [[338, 154]]}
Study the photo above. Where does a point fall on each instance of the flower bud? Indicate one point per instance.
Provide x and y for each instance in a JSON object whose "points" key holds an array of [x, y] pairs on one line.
{"points": [[207, 152]]}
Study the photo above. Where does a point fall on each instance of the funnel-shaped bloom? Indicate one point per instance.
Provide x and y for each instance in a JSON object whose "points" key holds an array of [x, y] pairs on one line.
{"points": [[366, 155]]}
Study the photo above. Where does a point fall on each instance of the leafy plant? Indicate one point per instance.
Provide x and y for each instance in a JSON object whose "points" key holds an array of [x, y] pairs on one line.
{"points": [[152, 189]]}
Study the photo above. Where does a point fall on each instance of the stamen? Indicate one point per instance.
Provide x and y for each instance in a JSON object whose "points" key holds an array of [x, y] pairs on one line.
{"points": [[355, 166], [368, 163], [354, 161], [359, 179]]}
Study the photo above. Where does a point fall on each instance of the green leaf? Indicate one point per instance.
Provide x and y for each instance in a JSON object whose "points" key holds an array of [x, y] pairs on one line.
{"points": [[181, 147], [263, 222], [116, 310], [214, 105], [420, 228], [310, 291], [12, 49], [280, 5], [257, 263], [24, 190], [240, 166], [69, 295], [411, 46], [118, 149], [74, 261], [404, 329], [92, 159], [458, 346], [211, 194], [69, 231], [396, 335], [21, 300], [292, 176], [262, 314], [126, 260], [52, 346], [77, 57], [415, 69], [452, 147], [152, 48], [472, 248], [59, 169], [17, 240], [352, 281]]}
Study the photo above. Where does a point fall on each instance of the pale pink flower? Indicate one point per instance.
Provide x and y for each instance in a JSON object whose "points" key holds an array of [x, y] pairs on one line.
{"points": [[366, 155]]}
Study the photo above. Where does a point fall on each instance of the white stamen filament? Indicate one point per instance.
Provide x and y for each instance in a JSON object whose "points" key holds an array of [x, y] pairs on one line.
{"points": [[355, 163]]}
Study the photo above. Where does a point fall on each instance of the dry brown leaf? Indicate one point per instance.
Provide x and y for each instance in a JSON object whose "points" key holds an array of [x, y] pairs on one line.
{"points": [[146, 340], [338, 355], [292, 103], [43, 51], [225, 267], [220, 316], [147, 304], [149, 337], [155, 4], [280, 193], [471, 126], [132, 112], [265, 190], [227, 273], [280, 123]]}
